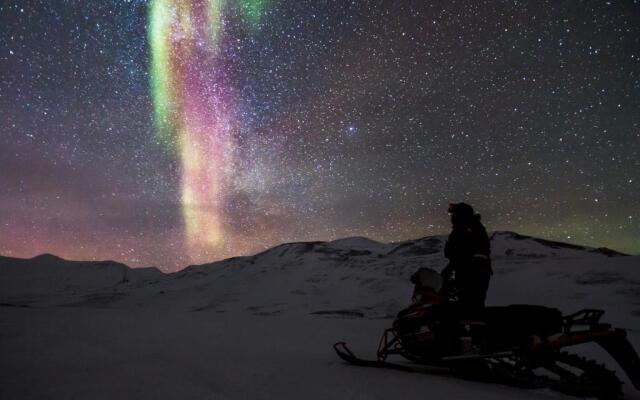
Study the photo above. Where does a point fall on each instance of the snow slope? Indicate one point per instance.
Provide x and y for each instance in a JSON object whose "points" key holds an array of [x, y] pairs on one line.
{"points": [[262, 327], [47, 277]]}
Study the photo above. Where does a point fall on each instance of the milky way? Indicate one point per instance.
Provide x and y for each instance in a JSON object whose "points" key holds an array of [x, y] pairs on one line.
{"points": [[170, 132]]}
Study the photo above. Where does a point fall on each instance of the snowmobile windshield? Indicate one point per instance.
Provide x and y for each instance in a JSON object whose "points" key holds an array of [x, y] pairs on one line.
{"points": [[427, 278]]}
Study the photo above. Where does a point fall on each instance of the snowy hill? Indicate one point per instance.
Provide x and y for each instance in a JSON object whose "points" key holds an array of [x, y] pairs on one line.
{"points": [[44, 276], [262, 326]]}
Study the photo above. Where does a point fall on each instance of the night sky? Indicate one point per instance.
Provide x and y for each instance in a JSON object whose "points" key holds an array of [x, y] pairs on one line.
{"points": [[171, 132]]}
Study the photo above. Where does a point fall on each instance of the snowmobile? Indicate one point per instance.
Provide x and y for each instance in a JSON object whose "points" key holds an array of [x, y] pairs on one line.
{"points": [[520, 345]]}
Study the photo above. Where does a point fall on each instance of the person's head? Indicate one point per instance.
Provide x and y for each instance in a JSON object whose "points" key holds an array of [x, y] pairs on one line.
{"points": [[460, 213]]}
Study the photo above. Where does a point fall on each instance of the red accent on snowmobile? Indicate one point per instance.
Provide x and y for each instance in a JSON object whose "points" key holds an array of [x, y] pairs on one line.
{"points": [[426, 297], [573, 338]]}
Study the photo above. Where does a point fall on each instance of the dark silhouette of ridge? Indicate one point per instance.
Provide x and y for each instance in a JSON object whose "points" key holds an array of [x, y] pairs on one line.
{"points": [[423, 246]]}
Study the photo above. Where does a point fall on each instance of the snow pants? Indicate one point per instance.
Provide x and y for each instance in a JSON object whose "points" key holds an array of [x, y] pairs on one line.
{"points": [[472, 282]]}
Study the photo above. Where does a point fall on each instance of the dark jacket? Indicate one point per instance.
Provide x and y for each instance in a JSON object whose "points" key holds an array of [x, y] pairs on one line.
{"points": [[468, 249], [466, 241]]}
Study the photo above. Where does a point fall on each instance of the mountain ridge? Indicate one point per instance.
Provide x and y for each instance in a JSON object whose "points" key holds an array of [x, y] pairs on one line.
{"points": [[354, 245], [346, 278]]}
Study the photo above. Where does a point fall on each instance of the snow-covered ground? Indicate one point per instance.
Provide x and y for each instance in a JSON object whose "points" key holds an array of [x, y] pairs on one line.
{"points": [[262, 327]]}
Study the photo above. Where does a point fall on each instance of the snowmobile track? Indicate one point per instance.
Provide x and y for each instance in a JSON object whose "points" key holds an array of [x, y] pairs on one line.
{"points": [[576, 376]]}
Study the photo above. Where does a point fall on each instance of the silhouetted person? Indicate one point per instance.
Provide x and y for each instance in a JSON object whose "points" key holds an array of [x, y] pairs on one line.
{"points": [[468, 250]]}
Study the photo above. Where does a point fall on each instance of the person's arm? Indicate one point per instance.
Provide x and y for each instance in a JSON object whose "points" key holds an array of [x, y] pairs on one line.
{"points": [[447, 272], [447, 249]]}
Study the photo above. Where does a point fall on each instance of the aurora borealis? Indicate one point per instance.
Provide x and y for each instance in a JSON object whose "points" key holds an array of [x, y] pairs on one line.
{"points": [[171, 132], [194, 107]]}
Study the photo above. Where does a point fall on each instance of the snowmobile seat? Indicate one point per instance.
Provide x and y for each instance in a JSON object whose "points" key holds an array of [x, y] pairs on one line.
{"points": [[523, 320]]}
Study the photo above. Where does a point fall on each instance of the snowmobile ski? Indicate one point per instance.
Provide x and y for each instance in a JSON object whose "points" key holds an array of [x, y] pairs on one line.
{"points": [[347, 355]]}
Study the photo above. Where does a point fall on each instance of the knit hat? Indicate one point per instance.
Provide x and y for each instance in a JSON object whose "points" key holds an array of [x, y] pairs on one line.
{"points": [[463, 209]]}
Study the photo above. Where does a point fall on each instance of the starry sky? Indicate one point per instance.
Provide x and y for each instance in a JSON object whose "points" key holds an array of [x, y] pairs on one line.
{"points": [[173, 132]]}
